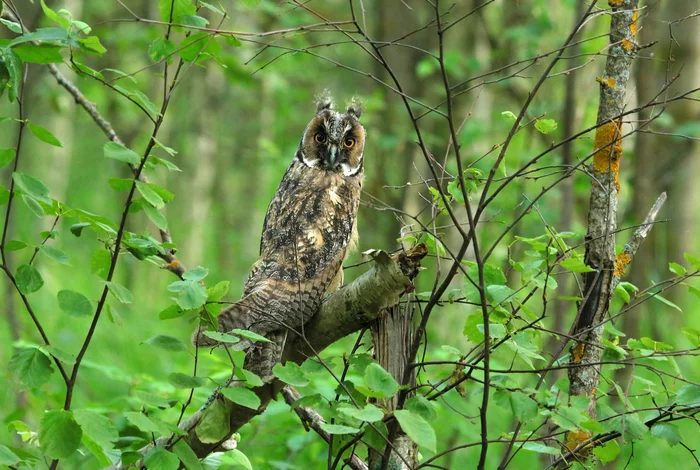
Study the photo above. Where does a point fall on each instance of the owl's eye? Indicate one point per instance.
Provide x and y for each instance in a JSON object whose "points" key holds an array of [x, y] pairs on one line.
{"points": [[320, 137], [349, 143]]}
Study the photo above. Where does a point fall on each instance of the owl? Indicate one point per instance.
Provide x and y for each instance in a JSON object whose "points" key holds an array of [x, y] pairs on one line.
{"points": [[308, 229]]}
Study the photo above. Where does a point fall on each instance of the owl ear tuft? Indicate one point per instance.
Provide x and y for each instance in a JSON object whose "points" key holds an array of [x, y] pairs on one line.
{"points": [[355, 107], [324, 100]]}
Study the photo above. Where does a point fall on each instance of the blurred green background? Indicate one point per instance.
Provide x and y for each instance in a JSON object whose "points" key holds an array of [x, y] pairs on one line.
{"points": [[235, 123]]}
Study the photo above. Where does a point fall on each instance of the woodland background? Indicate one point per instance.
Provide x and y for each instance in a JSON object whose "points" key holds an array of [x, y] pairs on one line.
{"points": [[236, 123]]}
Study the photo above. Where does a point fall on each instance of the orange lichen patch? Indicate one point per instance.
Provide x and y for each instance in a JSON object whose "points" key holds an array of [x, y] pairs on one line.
{"points": [[614, 3], [173, 264], [627, 45], [621, 262], [578, 352], [633, 26], [607, 82], [608, 150], [576, 438]]}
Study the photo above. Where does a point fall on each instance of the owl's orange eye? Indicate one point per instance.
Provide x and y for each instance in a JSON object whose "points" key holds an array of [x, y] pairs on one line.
{"points": [[349, 143], [320, 137]]}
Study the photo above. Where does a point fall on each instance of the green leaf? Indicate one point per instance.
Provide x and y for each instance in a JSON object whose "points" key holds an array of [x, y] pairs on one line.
{"points": [[524, 408], [693, 335], [55, 254], [191, 47], [167, 164], [160, 49], [629, 426], [250, 3], [44, 134], [28, 279], [92, 44], [34, 206], [121, 293], [97, 450], [7, 457], [39, 54], [664, 300], [576, 265], [59, 434], [379, 380], [180, 8], [155, 216], [99, 428], [117, 151], [418, 429], [55, 17], [151, 399], [676, 269], [151, 196], [197, 21], [196, 274], [178, 380], [693, 260], [187, 455], [688, 395], [236, 458], [145, 102], [15, 73], [338, 429], [421, 406], [217, 292], [215, 423], [143, 422], [291, 374], [63, 356], [74, 303], [174, 311], [221, 337], [540, 448], [169, 343], [100, 262], [546, 126], [509, 115], [160, 459], [568, 417], [250, 335], [59, 35], [668, 432], [242, 396], [32, 187], [120, 184], [12, 26], [608, 452], [251, 379], [369, 413], [6, 156], [30, 367], [15, 245], [193, 296], [622, 292]]}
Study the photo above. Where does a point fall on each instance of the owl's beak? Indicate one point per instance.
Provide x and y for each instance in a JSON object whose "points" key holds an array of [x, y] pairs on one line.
{"points": [[332, 154]]}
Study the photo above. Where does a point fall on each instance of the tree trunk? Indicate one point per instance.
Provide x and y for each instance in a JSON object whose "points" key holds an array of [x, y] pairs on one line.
{"points": [[391, 334], [602, 216]]}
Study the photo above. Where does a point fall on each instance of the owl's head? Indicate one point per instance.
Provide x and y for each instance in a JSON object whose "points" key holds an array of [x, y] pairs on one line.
{"points": [[333, 141]]}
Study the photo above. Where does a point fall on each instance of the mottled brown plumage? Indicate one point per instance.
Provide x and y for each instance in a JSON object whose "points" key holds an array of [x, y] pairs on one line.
{"points": [[307, 231]]}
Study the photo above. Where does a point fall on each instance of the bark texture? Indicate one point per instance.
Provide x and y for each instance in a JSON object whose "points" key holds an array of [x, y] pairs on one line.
{"points": [[391, 335]]}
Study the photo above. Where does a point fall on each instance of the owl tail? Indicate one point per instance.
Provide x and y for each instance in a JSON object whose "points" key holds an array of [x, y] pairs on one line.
{"points": [[263, 356], [234, 317]]}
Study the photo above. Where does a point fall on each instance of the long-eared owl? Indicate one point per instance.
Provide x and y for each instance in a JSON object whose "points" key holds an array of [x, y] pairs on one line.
{"points": [[308, 229]]}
